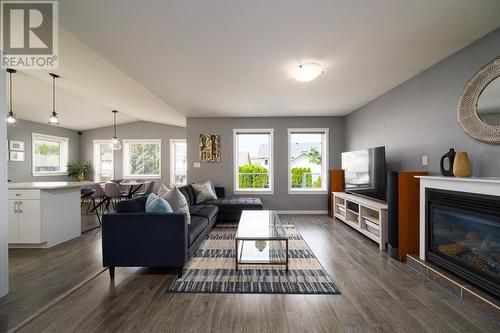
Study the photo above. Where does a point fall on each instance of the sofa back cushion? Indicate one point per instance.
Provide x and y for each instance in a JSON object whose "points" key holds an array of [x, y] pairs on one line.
{"points": [[137, 205], [189, 193]]}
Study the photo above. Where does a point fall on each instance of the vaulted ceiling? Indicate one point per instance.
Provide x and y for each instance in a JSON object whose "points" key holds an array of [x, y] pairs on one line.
{"points": [[165, 60]]}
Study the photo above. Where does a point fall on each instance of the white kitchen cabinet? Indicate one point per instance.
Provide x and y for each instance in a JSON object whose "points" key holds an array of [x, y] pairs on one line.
{"points": [[25, 217], [43, 214], [13, 217]]}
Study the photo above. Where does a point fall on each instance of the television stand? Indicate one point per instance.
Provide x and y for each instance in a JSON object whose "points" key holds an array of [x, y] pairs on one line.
{"points": [[367, 216]]}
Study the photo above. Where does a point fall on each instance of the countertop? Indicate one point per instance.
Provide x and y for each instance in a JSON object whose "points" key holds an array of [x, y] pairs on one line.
{"points": [[42, 185]]}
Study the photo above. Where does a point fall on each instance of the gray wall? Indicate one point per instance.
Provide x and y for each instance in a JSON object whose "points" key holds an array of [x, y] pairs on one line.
{"points": [[222, 173], [22, 171], [419, 117], [135, 130]]}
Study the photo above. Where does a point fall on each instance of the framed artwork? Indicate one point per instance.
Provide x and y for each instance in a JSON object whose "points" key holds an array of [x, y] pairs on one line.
{"points": [[210, 148], [16, 145], [17, 156]]}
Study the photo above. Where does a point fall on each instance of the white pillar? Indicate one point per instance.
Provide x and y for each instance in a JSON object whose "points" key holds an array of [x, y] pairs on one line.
{"points": [[4, 259]]}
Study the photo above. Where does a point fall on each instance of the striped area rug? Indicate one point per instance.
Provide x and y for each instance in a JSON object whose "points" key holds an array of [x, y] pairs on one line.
{"points": [[211, 270]]}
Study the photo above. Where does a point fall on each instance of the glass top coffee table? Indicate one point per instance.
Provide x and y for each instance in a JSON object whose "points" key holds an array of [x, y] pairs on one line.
{"points": [[261, 239]]}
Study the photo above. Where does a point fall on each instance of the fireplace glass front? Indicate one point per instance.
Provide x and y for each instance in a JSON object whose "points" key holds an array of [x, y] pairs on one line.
{"points": [[466, 242]]}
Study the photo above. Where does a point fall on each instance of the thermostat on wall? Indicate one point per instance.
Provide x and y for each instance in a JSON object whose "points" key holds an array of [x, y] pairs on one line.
{"points": [[196, 164]]}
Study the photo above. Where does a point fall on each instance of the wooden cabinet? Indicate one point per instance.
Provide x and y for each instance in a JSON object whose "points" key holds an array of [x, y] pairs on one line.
{"points": [[25, 223]]}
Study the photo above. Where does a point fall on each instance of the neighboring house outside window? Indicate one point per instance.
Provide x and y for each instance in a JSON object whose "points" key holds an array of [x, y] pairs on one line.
{"points": [[49, 155], [142, 159], [178, 162], [103, 160], [253, 160], [307, 160]]}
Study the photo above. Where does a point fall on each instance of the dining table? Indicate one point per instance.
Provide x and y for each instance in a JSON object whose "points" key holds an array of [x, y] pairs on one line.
{"points": [[133, 186]]}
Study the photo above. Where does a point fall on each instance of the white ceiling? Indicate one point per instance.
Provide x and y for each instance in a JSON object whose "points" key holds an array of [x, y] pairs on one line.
{"points": [[165, 60], [233, 57]]}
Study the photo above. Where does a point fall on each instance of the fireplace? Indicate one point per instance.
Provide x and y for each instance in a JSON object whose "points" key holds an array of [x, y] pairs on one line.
{"points": [[463, 235]]}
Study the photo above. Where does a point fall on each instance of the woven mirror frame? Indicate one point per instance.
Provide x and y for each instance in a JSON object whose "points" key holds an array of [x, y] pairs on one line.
{"points": [[467, 105]]}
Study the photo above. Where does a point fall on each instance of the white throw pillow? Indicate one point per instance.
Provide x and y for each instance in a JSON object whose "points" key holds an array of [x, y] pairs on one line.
{"points": [[204, 192], [176, 200]]}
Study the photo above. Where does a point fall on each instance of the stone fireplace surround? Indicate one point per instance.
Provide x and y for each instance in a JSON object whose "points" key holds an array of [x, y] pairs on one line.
{"points": [[482, 301]]}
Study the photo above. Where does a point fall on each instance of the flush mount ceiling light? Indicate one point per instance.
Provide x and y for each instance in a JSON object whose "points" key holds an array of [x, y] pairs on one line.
{"points": [[54, 117], [11, 117], [307, 72], [114, 140]]}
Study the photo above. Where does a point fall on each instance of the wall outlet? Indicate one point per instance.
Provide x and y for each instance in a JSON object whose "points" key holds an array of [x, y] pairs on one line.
{"points": [[196, 164], [424, 160]]}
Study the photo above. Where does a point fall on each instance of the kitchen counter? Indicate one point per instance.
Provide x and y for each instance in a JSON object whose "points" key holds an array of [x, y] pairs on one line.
{"points": [[43, 214], [42, 185]]}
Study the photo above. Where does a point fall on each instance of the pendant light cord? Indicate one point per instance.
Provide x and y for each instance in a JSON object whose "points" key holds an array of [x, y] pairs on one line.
{"points": [[114, 122], [53, 94], [10, 92]]}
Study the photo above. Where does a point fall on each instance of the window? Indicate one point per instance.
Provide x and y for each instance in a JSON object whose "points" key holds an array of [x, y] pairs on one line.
{"points": [[142, 158], [178, 162], [253, 160], [50, 155], [103, 160], [307, 160]]}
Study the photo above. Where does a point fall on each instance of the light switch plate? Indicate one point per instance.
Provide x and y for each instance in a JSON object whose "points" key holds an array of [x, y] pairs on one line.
{"points": [[424, 160], [196, 164]]}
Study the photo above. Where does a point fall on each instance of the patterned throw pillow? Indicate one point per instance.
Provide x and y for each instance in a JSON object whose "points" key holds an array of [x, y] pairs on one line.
{"points": [[176, 200], [204, 192], [156, 204]]}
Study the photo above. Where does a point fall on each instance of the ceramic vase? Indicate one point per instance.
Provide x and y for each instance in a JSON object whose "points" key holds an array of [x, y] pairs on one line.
{"points": [[461, 165], [450, 156]]}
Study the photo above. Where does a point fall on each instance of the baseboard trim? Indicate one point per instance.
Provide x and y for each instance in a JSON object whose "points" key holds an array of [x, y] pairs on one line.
{"points": [[302, 212]]}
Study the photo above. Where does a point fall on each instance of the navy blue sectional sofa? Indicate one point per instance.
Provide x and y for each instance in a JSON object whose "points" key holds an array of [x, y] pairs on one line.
{"points": [[133, 238]]}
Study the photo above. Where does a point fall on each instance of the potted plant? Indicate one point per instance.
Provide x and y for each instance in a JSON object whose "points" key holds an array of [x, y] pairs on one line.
{"points": [[78, 169]]}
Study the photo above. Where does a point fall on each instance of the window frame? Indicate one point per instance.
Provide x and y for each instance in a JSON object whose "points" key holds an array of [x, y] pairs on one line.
{"points": [[324, 160], [63, 155], [125, 156], [173, 142], [269, 131], [94, 169]]}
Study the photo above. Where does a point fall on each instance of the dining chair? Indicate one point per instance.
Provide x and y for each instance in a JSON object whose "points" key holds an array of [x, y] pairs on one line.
{"points": [[113, 193], [99, 195], [88, 193]]}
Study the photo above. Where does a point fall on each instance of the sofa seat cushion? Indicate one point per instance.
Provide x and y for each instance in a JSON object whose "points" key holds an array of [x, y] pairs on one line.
{"points": [[208, 211], [197, 226], [236, 204]]}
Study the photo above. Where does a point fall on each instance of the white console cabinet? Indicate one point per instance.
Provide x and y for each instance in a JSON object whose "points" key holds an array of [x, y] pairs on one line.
{"points": [[369, 217]]}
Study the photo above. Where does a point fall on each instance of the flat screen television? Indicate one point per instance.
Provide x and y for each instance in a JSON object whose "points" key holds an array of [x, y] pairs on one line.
{"points": [[365, 172]]}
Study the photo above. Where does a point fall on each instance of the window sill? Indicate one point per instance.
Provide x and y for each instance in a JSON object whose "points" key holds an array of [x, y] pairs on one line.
{"points": [[307, 192], [142, 177], [50, 174], [237, 192]]}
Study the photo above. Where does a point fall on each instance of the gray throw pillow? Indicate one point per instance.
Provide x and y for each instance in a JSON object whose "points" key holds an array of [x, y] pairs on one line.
{"points": [[176, 200], [204, 192]]}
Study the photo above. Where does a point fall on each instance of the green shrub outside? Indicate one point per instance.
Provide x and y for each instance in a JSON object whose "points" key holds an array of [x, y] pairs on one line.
{"points": [[254, 176]]}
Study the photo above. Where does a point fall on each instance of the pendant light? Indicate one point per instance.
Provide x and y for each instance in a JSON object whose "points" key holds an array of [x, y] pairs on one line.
{"points": [[116, 142], [54, 117], [11, 117]]}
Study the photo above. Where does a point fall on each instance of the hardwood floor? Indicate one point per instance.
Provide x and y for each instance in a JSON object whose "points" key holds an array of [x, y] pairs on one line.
{"points": [[379, 294], [38, 276]]}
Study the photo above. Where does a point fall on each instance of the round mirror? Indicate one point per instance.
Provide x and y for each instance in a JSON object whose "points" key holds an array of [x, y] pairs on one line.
{"points": [[479, 106], [488, 103]]}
